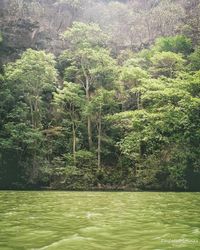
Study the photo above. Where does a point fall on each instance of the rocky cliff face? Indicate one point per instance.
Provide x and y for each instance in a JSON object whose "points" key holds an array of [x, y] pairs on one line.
{"points": [[133, 24], [16, 31], [32, 24]]}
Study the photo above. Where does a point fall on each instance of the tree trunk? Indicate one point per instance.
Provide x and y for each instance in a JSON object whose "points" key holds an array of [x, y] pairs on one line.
{"points": [[31, 110], [74, 143], [89, 127], [99, 141], [138, 100], [89, 133], [73, 133]]}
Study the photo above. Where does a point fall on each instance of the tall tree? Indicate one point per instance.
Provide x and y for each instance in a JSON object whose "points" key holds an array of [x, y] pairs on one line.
{"points": [[32, 74], [70, 99], [102, 104], [89, 64]]}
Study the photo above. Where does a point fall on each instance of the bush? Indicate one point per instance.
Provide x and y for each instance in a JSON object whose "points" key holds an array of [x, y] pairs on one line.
{"points": [[176, 44], [72, 178]]}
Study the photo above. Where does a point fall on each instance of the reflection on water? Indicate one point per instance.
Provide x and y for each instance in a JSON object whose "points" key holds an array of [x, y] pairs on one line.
{"points": [[95, 221]]}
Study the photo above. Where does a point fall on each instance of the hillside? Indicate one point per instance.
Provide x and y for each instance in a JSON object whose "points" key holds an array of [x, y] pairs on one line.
{"points": [[99, 94]]}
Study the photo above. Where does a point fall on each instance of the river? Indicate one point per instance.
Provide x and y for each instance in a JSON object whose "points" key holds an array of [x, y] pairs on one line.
{"points": [[99, 220]]}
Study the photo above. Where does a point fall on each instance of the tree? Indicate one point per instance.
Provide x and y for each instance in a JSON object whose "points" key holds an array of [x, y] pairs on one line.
{"points": [[166, 64], [82, 35], [194, 59], [131, 78], [33, 74], [89, 64], [176, 44], [70, 99], [102, 103], [92, 69]]}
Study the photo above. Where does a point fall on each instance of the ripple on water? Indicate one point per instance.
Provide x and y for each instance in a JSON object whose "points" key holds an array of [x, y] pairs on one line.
{"points": [[61, 244], [95, 221]]}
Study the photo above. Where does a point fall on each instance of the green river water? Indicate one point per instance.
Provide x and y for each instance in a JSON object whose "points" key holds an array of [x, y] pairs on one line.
{"points": [[99, 220]]}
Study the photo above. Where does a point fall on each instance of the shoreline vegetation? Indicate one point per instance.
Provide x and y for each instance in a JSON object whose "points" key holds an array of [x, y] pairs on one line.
{"points": [[97, 190], [100, 102]]}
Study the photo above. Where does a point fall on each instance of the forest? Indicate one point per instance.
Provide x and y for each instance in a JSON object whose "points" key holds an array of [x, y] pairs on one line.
{"points": [[100, 95]]}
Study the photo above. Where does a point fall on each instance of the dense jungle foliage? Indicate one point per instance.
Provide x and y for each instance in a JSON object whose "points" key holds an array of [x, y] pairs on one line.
{"points": [[115, 106]]}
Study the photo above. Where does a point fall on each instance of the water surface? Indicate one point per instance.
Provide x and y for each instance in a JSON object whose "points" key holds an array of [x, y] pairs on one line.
{"points": [[96, 221]]}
